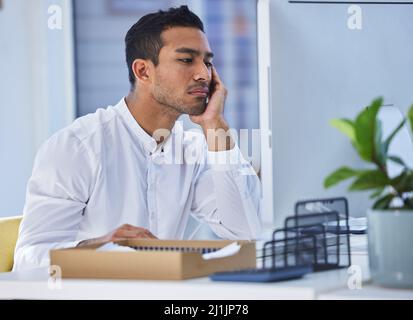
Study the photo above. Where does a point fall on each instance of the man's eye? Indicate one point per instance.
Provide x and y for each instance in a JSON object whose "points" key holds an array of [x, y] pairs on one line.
{"points": [[186, 60], [208, 64]]}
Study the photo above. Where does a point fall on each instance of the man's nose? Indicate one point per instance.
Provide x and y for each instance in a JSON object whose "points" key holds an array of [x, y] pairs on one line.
{"points": [[202, 72]]}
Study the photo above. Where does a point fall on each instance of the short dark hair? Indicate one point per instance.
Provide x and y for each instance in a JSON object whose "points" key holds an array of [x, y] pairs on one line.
{"points": [[143, 39]]}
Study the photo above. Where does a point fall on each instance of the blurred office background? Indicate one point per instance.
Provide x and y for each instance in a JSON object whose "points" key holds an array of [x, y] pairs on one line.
{"points": [[51, 75]]}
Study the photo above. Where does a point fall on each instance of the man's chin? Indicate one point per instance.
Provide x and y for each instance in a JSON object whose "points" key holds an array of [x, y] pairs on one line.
{"points": [[195, 110]]}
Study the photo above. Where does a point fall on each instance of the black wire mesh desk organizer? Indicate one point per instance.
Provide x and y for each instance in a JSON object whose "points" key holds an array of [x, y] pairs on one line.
{"points": [[308, 242], [314, 239]]}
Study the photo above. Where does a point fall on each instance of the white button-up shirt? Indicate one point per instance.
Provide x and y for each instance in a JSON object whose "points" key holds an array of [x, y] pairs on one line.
{"points": [[104, 170]]}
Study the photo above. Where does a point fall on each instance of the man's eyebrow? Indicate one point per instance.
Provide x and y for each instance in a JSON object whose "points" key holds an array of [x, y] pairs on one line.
{"points": [[208, 54]]}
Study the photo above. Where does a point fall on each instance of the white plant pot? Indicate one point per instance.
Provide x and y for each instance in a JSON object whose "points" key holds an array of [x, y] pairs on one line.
{"points": [[390, 246]]}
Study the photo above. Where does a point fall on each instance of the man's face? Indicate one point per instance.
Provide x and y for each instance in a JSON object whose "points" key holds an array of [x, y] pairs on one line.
{"points": [[183, 75]]}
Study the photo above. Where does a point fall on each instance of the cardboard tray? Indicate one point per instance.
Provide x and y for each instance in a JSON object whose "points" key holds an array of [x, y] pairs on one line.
{"points": [[86, 262]]}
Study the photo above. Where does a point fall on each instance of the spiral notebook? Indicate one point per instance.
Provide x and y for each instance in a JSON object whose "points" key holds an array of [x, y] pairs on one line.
{"points": [[207, 252]]}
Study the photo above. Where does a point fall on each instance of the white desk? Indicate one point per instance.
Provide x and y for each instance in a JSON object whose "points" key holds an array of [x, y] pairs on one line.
{"points": [[34, 285], [324, 285]]}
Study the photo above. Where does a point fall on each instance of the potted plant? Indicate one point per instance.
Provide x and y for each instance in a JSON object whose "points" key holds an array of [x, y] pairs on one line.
{"points": [[390, 220]]}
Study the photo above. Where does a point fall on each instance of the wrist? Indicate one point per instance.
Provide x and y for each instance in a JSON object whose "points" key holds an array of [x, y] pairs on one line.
{"points": [[89, 242], [213, 124], [217, 134]]}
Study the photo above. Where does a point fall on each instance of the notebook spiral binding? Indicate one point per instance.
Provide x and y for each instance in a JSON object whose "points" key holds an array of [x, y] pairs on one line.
{"points": [[172, 249]]}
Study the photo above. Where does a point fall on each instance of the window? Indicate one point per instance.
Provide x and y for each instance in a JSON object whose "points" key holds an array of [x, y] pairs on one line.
{"points": [[101, 72]]}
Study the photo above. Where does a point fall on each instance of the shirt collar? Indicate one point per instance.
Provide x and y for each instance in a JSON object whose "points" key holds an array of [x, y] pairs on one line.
{"points": [[147, 141]]}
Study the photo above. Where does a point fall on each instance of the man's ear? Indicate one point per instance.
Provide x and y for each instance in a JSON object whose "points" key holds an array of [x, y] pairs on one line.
{"points": [[140, 69]]}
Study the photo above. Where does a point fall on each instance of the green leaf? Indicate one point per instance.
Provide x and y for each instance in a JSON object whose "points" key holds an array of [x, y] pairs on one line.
{"points": [[377, 193], [410, 117], [339, 175], [346, 126], [384, 202], [365, 128], [392, 135], [397, 160], [380, 151], [370, 179], [403, 182], [408, 203]]}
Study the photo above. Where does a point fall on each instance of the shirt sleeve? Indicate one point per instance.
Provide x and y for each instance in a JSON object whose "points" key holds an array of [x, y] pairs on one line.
{"points": [[227, 196], [56, 195]]}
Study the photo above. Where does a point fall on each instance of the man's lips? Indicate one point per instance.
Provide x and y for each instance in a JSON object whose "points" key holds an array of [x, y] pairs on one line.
{"points": [[201, 92]]}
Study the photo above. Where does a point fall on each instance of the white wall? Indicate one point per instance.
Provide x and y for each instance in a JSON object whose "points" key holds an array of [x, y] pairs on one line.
{"points": [[36, 90]]}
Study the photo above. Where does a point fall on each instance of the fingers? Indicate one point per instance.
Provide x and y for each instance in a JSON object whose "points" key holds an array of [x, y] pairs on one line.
{"points": [[217, 81], [215, 76], [150, 235], [127, 226], [129, 231], [141, 230], [125, 231]]}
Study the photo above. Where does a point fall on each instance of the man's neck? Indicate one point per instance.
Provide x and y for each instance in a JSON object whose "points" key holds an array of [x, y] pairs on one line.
{"points": [[150, 115]]}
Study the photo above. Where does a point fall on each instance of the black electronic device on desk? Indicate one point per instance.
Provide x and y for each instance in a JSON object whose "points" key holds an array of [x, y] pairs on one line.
{"points": [[309, 242], [263, 274]]}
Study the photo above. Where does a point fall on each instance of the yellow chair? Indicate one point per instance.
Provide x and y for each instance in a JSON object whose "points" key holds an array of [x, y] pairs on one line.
{"points": [[9, 230]]}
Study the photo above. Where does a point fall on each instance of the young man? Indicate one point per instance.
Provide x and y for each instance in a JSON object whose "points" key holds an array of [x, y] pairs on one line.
{"points": [[131, 171]]}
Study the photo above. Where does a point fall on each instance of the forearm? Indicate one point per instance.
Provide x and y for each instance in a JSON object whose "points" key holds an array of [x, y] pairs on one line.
{"points": [[238, 203], [37, 255], [217, 135]]}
